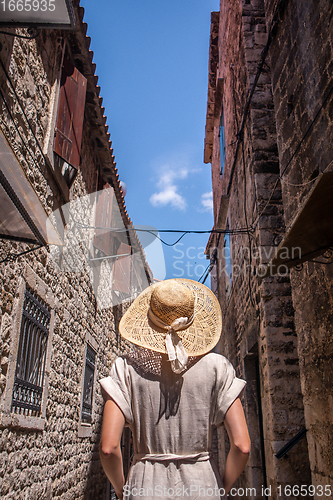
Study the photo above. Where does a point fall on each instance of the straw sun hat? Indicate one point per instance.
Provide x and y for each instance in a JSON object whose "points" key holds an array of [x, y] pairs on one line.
{"points": [[179, 317]]}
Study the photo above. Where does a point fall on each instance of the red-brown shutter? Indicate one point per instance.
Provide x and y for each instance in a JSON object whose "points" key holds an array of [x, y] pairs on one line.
{"points": [[68, 132], [104, 239], [122, 270]]}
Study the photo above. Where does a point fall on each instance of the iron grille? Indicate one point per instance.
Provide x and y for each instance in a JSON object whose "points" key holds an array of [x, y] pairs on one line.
{"points": [[31, 356], [88, 385]]}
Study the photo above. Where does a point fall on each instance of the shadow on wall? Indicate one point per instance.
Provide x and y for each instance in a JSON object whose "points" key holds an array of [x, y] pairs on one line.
{"points": [[96, 483]]}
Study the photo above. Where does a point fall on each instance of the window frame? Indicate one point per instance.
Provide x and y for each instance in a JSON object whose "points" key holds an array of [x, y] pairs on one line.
{"points": [[8, 418], [222, 142], [31, 355], [227, 261], [59, 165], [85, 428], [89, 368], [69, 123]]}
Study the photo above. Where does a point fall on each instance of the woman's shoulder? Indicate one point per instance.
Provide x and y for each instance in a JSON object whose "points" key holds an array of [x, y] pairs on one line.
{"points": [[215, 359], [129, 362], [215, 364]]}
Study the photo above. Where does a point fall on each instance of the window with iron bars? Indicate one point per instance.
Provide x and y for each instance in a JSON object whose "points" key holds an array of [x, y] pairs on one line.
{"points": [[31, 356], [88, 385]]}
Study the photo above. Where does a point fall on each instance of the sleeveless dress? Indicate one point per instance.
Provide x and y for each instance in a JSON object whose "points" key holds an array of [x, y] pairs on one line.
{"points": [[171, 418]]}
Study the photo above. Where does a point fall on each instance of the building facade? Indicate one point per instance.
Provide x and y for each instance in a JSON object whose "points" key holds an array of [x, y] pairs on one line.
{"points": [[269, 141], [70, 263]]}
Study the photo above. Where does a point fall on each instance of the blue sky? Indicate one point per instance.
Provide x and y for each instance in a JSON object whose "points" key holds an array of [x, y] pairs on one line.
{"points": [[152, 64]]}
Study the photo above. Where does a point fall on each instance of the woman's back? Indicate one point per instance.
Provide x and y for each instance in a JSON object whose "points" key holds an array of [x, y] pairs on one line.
{"points": [[171, 419], [170, 392], [172, 413]]}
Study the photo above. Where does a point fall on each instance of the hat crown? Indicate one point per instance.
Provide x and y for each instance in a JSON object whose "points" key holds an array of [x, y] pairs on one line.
{"points": [[171, 300], [166, 304]]}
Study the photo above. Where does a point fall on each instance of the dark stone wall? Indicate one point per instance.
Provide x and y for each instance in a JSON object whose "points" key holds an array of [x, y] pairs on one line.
{"points": [[259, 334], [302, 80]]}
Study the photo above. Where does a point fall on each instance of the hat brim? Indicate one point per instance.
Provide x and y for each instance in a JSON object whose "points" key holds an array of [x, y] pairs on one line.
{"points": [[198, 339]]}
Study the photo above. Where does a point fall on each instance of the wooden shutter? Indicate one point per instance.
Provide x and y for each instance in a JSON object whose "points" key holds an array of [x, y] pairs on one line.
{"points": [[68, 132], [104, 239], [122, 270]]}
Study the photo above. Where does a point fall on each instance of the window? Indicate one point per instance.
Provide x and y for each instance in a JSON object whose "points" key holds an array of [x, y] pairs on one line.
{"points": [[25, 396], [31, 356], [222, 142], [88, 385], [104, 239], [122, 271], [227, 261], [67, 171], [114, 246], [69, 124]]}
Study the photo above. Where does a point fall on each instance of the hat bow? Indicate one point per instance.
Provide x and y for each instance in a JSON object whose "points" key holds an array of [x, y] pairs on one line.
{"points": [[175, 349]]}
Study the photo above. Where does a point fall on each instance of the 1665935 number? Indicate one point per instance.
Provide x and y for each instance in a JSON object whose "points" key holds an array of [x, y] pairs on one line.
{"points": [[28, 5], [304, 490]]}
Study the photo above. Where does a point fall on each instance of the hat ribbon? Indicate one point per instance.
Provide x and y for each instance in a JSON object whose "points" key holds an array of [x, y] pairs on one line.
{"points": [[175, 349]]}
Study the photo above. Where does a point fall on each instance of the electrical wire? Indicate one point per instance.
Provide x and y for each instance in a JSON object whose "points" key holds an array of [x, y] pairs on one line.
{"points": [[299, 185], [154, 232], [24, 143], [29, 126], [11, 257], [32, 31], [248, 230], [281, 5], [207, 271], [277, 15], [244, 196], [254, 224], [213, 262], [313, 121]]}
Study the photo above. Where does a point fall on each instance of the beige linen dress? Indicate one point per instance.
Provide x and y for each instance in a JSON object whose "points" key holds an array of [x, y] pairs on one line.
{"points": [[172, 448]]}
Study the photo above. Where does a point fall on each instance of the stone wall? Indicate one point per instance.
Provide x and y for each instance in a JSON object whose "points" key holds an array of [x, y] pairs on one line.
{"points": [[55, 462], [55, 455], [302, 82], [259, 334], [302, 89]]}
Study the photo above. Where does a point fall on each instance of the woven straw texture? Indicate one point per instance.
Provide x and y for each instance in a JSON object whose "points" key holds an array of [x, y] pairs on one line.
{"points": [[148, 362], [199, 338], [172, 301]]}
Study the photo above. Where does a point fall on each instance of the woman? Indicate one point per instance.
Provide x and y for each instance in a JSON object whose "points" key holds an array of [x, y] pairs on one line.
{"points": [[170, 392]]}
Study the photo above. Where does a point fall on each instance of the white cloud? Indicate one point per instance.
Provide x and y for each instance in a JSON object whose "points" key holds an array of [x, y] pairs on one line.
{"points": [[176, 177], [168, 190], [207, 202], [168, 196]]}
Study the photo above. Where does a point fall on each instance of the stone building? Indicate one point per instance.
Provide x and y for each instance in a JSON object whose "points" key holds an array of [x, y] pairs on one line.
{"points": [[269, 138], [70, 262]]}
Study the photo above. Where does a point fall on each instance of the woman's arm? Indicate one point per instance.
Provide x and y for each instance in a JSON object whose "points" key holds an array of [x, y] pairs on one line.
{"points": [[110, 453], [240, 444]]}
